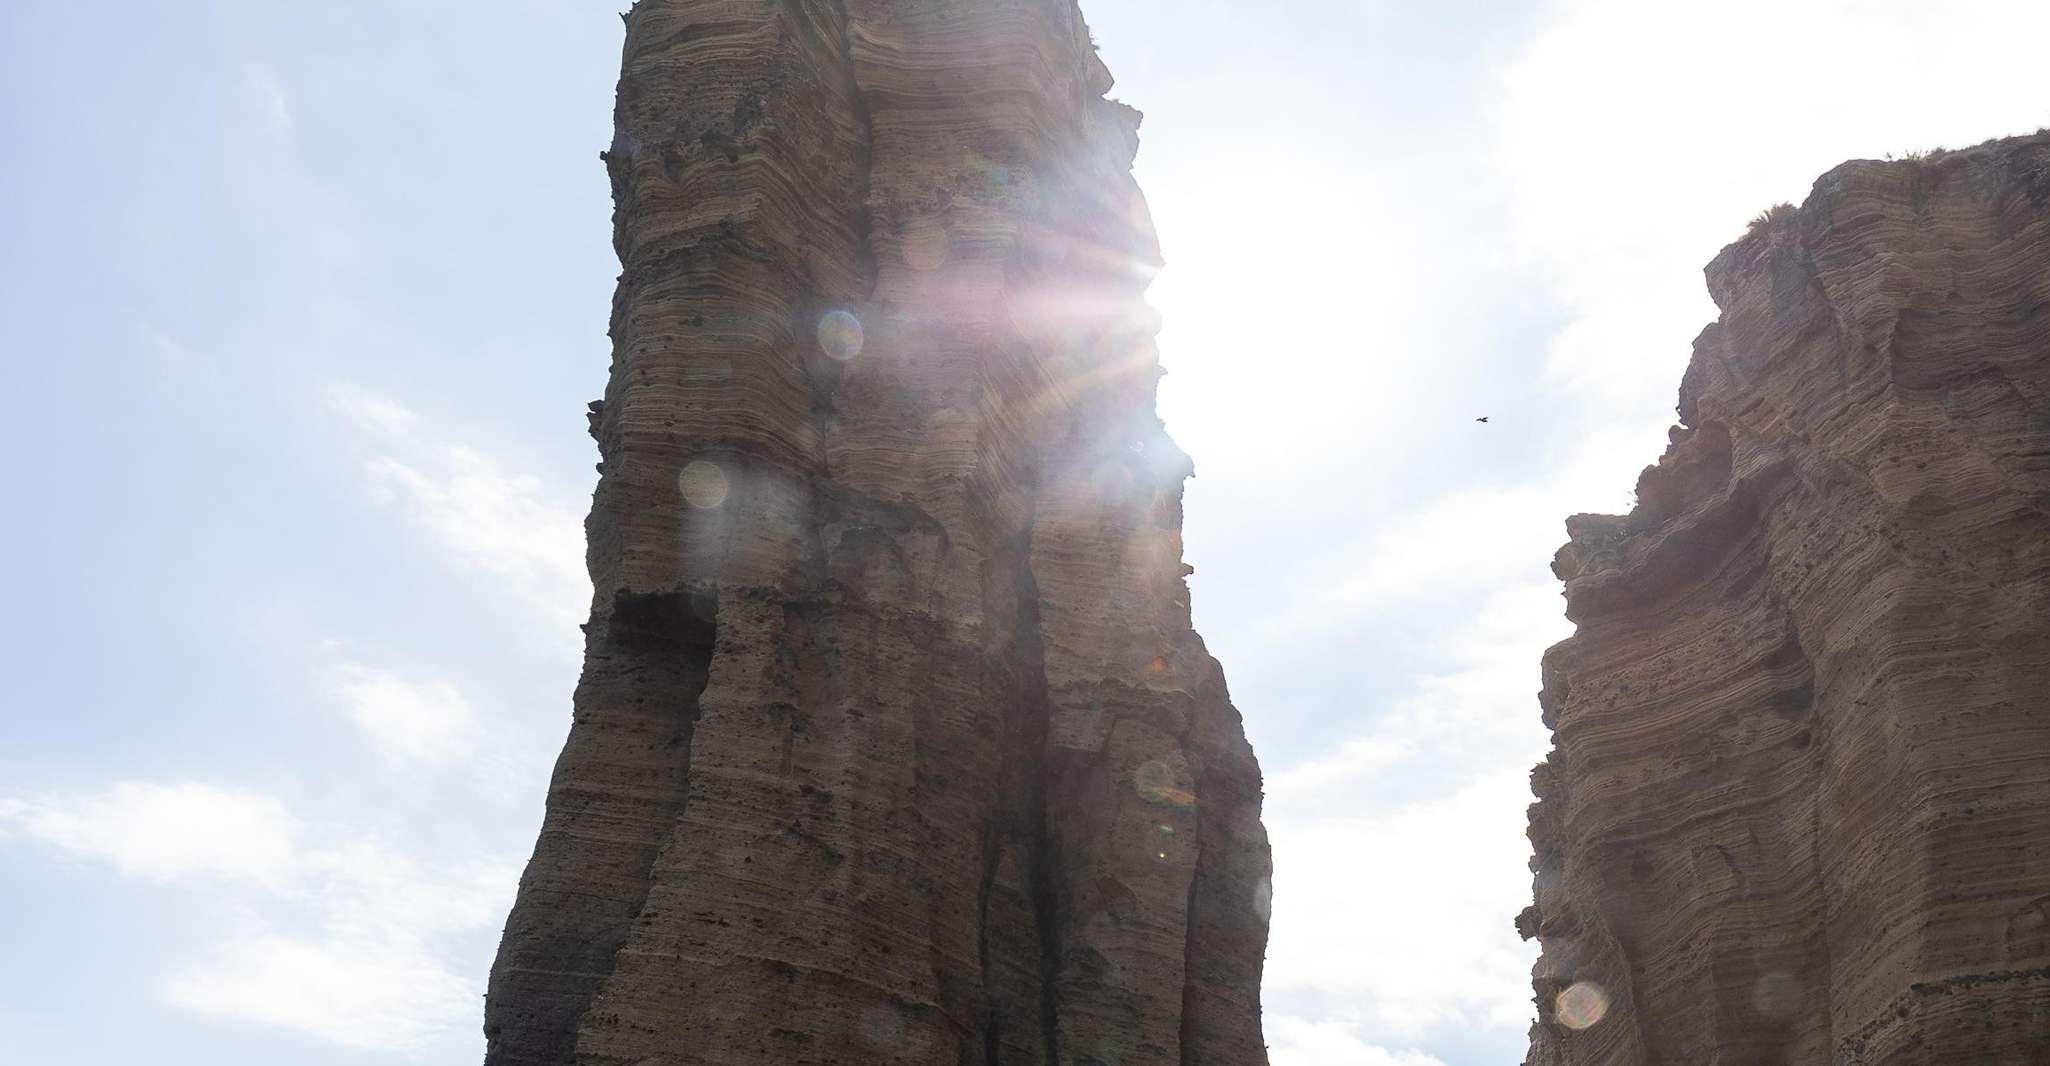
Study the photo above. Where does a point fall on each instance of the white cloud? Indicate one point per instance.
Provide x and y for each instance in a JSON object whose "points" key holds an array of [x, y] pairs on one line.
{"points": [[423, 722], [1404, 910], [1639, 138], [166, 347], [1632, 156], [319, 925], [165, 832], [1461, 575], [270, 97], [1298, 1042], [381, 415], [317, 928], [506, 525], [364, 994], [1400, 853], [1400, 857], [356, 951]]}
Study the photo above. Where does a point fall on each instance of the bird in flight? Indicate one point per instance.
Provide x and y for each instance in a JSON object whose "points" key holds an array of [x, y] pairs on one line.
{"points": [[1482, 418]]}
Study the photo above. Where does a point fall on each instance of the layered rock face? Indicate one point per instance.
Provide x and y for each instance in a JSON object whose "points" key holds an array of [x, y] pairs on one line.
{"points": [[893, 743], [1798, 810]]}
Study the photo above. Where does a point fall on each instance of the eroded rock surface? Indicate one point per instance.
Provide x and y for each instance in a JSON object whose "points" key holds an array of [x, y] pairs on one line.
{"points": [[893, 743], [1798, 810]]}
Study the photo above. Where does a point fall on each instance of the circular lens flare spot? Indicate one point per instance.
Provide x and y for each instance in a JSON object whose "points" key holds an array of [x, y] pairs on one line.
{"points": [[703, 484], [1581, 1005], [840, 335]]}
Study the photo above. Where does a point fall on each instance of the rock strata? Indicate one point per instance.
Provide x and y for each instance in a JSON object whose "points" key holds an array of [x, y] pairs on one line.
{"points": [[1798, 807], [894, 743]]}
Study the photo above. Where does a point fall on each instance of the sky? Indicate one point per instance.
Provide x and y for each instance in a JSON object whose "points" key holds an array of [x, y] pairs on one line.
{"points": [[300, 305]]}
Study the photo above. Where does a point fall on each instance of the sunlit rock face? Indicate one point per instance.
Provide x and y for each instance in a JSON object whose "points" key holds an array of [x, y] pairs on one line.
{"points": [[1798, 810], [893, 743]]}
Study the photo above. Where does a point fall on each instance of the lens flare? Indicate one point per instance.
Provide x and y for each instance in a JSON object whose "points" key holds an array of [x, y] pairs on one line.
{"points": [[840, 335], [1158, 783], [1581, 1005], [703, 484]]}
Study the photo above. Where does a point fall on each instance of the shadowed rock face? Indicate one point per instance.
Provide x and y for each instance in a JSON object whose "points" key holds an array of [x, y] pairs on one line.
{"points": [[1798, 810], [894, 742]]}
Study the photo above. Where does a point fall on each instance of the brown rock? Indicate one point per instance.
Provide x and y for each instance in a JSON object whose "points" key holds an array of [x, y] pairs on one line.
{"points": [[1798, 808], [894, 742]]}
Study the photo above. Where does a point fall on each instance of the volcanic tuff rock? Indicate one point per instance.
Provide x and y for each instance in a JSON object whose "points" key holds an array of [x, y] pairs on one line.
{"points": [[1798, 810], [893, 742]]}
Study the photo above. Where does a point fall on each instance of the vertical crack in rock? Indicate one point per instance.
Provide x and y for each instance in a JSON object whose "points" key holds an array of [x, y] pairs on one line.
{"points": [[865, 221], [1798, 803], [886, 515], [988, 1021], [1031, 823]]}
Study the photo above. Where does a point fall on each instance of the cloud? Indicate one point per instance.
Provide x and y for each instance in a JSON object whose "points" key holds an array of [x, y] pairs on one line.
{"points": [[1399, 852], [316, 928], [1298, 1042], [1400, 856], [379, 415], [357, 951], [165, 832], [357, 937], [275, 106], [1633, 153], [506, 525], [419, 722], [1402, 912], [370, 995]]}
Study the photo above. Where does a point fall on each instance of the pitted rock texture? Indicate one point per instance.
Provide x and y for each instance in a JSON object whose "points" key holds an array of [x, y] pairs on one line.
{"points": [[1798, 808], [894, 743]]}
